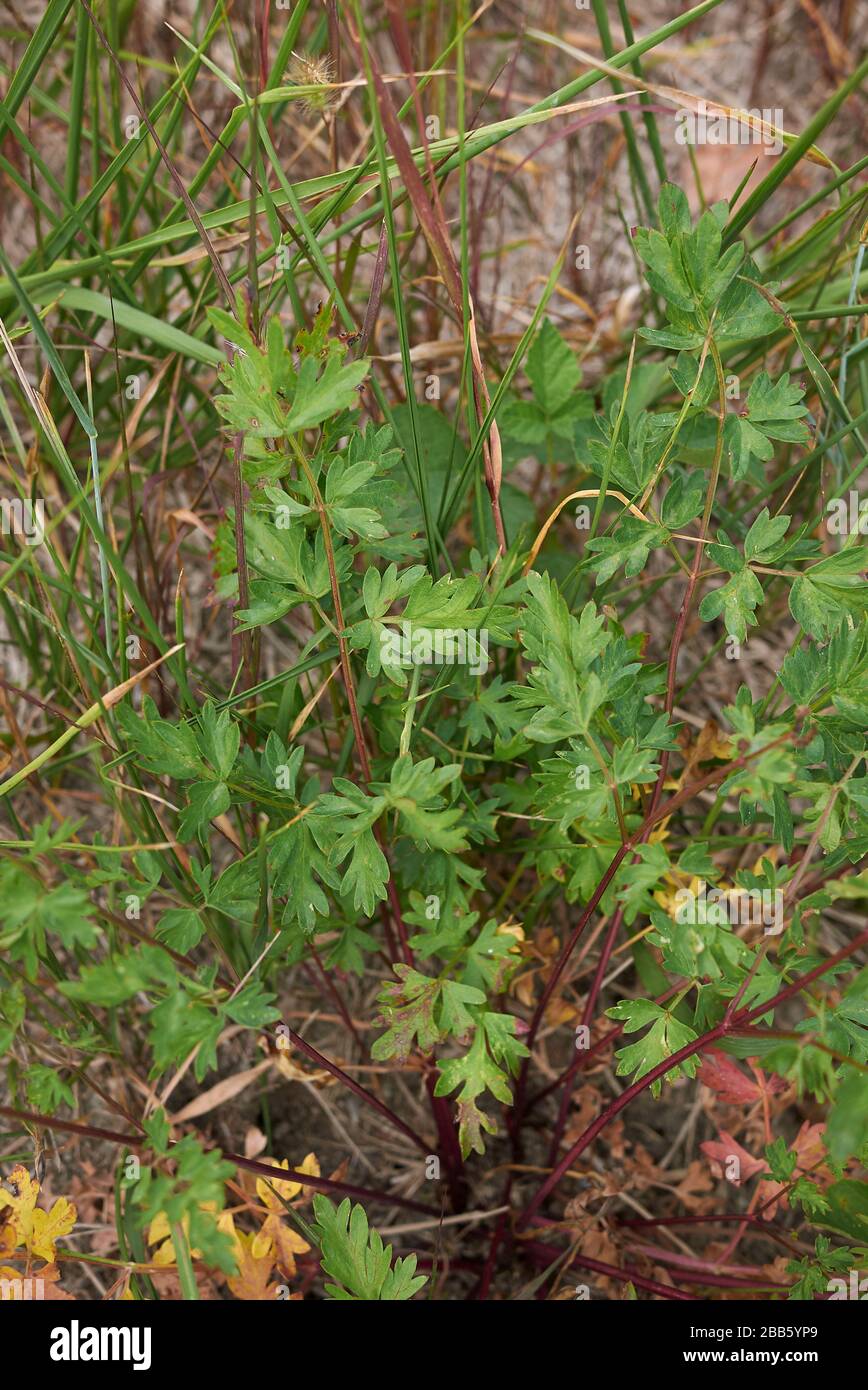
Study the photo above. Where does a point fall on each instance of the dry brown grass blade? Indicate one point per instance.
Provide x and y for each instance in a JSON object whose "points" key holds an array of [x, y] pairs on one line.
{"points": [[219, 272], [433, 223], [686, 100]]}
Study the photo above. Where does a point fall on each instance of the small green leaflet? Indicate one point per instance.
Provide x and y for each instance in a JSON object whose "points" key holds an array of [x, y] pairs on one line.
{"points": [[665, 1037], [353, 1255]]}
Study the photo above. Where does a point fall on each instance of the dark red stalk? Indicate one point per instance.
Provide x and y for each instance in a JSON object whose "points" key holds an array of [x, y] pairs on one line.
{"points": [[587, 1020], [582, 1057], [689, 1050], [558, 970], [263, 1170], [357, 1088], [694, 1220], [726, 1281], [546, 1254], [656, 814], [337, 999]]}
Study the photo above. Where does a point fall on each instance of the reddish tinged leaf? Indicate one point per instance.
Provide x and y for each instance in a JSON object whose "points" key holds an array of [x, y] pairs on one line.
{"points": [[723, 1076], [723, 1150]]}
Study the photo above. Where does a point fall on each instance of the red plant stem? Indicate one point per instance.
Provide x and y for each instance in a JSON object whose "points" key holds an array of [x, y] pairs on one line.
{"points": [[555, 976], [337, 998], [448, 1144], [686, 1265], [656, 814], [357, 1088], [746, 1218], [263, 1170], [694, 1220], [496, 1239], [689, 1050], [587, 1020], [726, 1281], [395, 905], [582, 1057], [546, 1254]]}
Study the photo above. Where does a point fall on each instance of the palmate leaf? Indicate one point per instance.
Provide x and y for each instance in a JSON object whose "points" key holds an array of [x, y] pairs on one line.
{"points": [[188, 1196], [350, 490], [701, 950], [630, 546], [737, 600], [179, 1024], [634, 881], [367, 873], [560, 688], [552, 369], [414, 792], [299, 866], [205, 756], [847, 1130], [490, 714], [764, 542], [30, 911], [831, 591], [285, 555], [267, 398], [453, 603], [554, 373], [349, 950], [206, 801], [773, 411], [181, 928], [422, 1011], [253, 1006], [665, 1036], [408, 1009], [46, 1089], [770, 403], [111, 982], [319, 394], [161, 747], [348, 816], [354, 1256], [475, 1073], [493, 1055]]}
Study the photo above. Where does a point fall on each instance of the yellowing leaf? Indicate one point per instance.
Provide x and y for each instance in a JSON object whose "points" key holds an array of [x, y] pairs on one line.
{"points": [[40, 1284], [286, 1189], [8, 1239], [50, 1277], [159, 1231], [255, 1262], [11, 1279], [49, 1226], [294, 1072], [285, 1241], [22, 1200]]}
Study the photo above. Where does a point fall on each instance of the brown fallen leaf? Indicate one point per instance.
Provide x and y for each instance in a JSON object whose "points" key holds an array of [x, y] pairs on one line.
{"points": [[224, 1091], [721, 1152], [255, 1258]]}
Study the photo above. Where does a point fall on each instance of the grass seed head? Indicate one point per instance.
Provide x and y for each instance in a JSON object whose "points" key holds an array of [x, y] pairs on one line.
{"points": [[306, 70]]}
